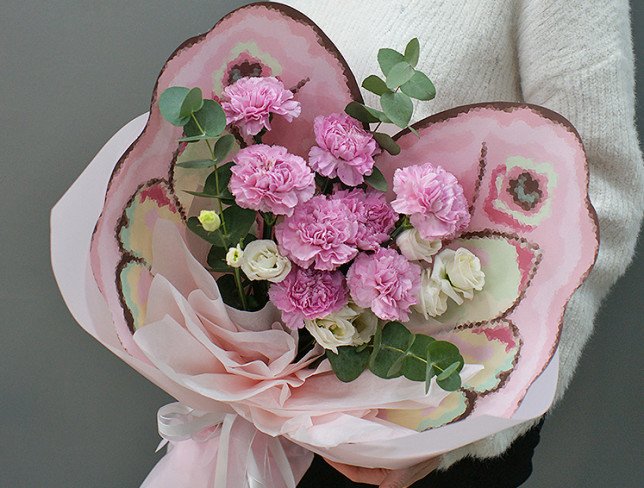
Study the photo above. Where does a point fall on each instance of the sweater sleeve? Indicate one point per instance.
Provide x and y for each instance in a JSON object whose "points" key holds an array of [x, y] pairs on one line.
{"points": [[576, 58]]}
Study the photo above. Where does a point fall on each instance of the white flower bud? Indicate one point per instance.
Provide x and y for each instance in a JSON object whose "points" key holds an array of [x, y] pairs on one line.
{"points": [[209, 219], [262, 261], [234, 256], [415, 248]]}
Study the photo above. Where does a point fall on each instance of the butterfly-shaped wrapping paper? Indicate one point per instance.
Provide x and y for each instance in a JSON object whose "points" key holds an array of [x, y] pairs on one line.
{"points": [[134, 277]]}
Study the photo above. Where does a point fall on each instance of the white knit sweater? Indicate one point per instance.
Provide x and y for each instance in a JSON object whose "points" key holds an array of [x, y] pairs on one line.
{"points": [[572, 56]]}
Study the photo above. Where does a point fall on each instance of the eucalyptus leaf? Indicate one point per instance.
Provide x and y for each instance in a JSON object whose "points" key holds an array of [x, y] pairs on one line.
{"points": [[398, 107], [412, 51], [359, 112], [387, 58], [192, 103], [448, 371], [442, 354], [399, 74], [197, 138], [377, 342], [228, 291], [376, 180], [238, 223], [414, 131], [378, 114], [419, 86], [387, 143], [170, 103], [395, 341], [211, 118], [375, 84], [451, 383], [415, 364], [223, 146], [348, 363], [197, 164], [217, 260]]}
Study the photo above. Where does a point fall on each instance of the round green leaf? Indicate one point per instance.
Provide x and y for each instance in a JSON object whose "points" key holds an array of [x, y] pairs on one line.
{"points": [[419, 87], [348, 363], [359, 112], [387, 58], [223, 146], [399, 74], [412, 51], [170, 103], [387, 143], [375, 84], [452, 383], [211, 118], [395, 341], [217, 260], [376, 180], [398, 107], [415, 364], [238, 223], [192, 103], [442, 354]]}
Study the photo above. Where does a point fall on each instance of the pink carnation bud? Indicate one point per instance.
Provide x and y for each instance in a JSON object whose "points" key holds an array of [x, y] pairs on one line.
{"points": [[434, 200], [308, 294], [385, 282], [344, 149], [250, 101], [270, 179]]}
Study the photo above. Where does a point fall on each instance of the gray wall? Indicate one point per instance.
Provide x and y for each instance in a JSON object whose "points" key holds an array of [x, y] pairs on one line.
{"points": [[73, 415]]}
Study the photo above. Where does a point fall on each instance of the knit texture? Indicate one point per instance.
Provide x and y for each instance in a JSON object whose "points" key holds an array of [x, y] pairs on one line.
{"points": [[572, 56]]}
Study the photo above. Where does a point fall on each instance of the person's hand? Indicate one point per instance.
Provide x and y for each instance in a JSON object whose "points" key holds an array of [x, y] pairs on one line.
{"points": [[387, 478]]}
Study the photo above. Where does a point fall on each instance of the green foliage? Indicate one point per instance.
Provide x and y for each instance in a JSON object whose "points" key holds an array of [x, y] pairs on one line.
{"points": [[376, 180], [238, 223], [397, 107], [349, 362], [396, 351], [388, 58], [419, 86], [228, 290], [399, 74], [197, 164], [191, 103], [412, 51], [223, 146], [359, 112], [375, 84], [211, 118], [387, 143], [217, 260], [170, 104]]}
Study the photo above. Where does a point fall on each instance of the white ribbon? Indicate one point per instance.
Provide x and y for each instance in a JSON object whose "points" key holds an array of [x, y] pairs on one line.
{"points": [[260, 460]]}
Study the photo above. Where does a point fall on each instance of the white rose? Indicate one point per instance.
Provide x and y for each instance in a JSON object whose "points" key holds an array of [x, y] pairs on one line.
{"points": [[262, 261], [365, 324], [334, 330], [464, 272], [349, 326], [432, 300], [415, 248], [233, 256], [439, 275]]}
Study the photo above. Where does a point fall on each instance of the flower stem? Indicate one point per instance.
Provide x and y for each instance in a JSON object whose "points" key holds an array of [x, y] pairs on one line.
{"points": [[269, 222], [240, 289]]}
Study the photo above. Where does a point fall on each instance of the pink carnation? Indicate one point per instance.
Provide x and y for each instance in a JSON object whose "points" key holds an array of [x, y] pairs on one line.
{"points": [[321, 232], [376, 218], [308, 294], [344, 149], [249, 102], [433, 198], [385, 282], [269, 179]]}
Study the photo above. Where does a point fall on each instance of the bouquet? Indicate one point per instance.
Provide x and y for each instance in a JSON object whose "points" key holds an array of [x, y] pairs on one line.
{"points": [[263, 249]]}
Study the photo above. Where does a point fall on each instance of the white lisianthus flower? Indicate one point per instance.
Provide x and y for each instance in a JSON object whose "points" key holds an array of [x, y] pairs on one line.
{"points": [[334, 330], [209, 220], [432, 300], [349, 326], [464, 272], [262, 261], [234, 256], [439, 275], [415, 248], [365, 323]]}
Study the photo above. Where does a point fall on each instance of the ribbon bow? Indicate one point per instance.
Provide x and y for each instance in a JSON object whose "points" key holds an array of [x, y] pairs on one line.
{"points": [[222, 450]]}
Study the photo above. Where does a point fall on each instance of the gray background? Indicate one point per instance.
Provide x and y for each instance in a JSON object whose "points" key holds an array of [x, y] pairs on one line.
{"points": [[73, 415]]}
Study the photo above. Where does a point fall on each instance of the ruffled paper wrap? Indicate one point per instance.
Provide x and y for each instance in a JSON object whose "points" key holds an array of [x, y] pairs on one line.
{"points": [[249, 414]]}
